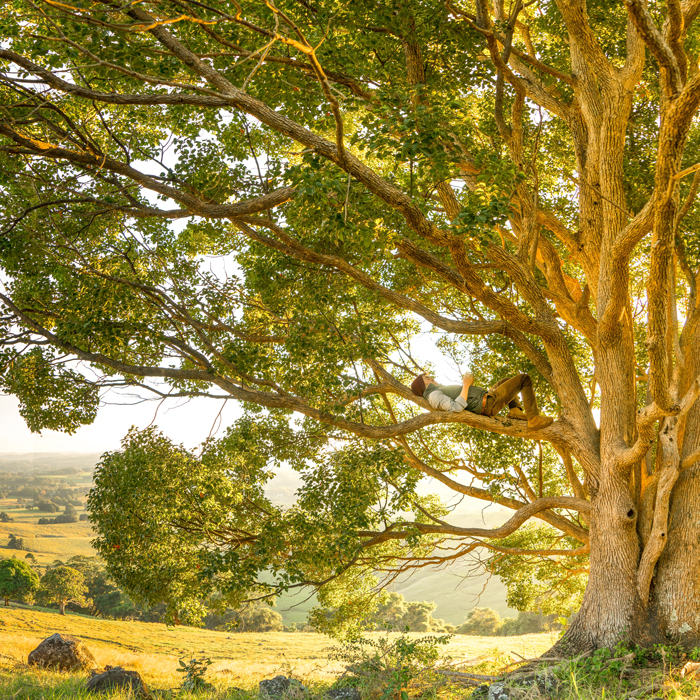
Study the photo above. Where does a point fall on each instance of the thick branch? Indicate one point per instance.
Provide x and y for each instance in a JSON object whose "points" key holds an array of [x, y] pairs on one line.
{"points": [[661, 51]]}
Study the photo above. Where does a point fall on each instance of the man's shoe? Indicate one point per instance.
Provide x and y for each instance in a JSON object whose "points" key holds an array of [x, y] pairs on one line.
{"points": [[539, 422], [517, 414]]}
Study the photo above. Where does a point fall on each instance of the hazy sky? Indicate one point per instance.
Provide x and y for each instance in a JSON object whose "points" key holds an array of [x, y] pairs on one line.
{"points": [[189, 424]]}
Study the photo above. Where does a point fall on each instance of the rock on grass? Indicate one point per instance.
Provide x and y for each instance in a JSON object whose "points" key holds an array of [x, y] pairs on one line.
{"points": [[62, 653]]}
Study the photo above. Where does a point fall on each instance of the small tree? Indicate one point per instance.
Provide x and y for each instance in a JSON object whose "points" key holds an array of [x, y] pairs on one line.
{"points": [[5, 518], [47, 507], [17, 580], [481, 622], [64, 585], [16, 542]]}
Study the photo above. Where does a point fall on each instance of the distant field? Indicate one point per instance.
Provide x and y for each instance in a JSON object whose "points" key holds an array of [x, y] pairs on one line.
{"points": [[240, 659], [46, 542]]}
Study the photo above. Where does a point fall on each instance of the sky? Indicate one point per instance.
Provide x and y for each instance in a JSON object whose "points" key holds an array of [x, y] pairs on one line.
{"points": [[188, 423]]}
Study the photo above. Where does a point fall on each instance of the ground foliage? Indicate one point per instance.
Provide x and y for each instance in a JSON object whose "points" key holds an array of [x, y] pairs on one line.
{"points": [[346, 179]]}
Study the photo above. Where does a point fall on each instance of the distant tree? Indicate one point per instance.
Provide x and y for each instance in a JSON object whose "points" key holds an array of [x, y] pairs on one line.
{"points": [[47, 507], [16, 543], [527, 622], [419, 616], [30, 558], [257, 617], [17, 580], [44, 521], [68, 516], [253, 617], [482, 622], [5, 518], [64, 585], [83, 517], [394, 611]]}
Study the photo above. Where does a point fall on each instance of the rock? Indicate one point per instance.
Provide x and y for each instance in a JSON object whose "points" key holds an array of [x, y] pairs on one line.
{"points": [[499, 691], [545, 685], [345, 693], [116, 677], [281, 687], [63, 653]]}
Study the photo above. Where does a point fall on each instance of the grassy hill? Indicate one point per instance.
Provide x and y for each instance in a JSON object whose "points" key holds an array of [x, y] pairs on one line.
{"points": [[240, 659]]}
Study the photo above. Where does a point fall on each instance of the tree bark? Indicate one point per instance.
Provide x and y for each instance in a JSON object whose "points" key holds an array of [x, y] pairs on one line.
{"points": [[61, 608], [676, 593], [611, 609]]}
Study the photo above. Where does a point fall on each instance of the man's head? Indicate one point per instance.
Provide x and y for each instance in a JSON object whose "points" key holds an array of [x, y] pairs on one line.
{"points": [[420, 383]]}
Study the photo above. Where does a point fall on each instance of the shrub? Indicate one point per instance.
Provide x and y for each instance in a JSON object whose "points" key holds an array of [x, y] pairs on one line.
{"points": [[389, 669]]}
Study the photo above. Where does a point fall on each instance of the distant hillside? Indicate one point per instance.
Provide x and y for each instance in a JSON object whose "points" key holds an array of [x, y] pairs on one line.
{"points": [[48, 462]]}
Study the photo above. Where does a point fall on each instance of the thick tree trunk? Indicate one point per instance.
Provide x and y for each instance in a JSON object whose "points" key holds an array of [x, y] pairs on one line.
{"points": [[61, 608], [676, 593], [7, 602], [612, 610]]}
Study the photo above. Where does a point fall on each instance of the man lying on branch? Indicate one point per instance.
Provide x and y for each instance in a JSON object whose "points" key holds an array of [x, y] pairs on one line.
{"points": [[487, 402]]}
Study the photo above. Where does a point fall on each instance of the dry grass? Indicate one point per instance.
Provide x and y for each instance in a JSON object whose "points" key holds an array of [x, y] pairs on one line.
{"points": [[240, 659]]}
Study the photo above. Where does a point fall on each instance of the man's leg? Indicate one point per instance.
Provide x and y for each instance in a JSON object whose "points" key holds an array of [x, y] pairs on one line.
{"points": [[515, 403], [507, 390]]}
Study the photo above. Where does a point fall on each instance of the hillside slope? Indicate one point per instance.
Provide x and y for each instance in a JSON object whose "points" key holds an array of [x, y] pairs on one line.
{"points": [[241, 659]]}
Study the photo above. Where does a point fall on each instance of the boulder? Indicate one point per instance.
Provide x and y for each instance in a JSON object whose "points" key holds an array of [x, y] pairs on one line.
{"points": [[114, 677], [345, 693], [282, 688], [63, 653]]}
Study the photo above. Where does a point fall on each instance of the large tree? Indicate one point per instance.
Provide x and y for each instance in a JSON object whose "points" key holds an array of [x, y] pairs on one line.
{"points": [[273, 202]]}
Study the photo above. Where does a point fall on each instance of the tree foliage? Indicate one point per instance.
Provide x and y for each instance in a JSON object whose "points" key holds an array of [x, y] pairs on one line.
{"points": [[63, 585], [17, 581], [278, 204]]}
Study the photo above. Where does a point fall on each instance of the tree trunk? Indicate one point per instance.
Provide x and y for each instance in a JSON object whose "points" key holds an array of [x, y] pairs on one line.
{"points": [[677, 586], [62, 608], [676, 593], [612, 610], [7, 602]]}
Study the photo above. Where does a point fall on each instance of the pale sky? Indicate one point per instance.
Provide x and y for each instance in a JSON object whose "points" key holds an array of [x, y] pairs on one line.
{"points": [[188, 423]]}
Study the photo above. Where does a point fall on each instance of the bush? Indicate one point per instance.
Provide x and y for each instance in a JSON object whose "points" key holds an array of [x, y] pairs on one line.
{"points": [[5, 518], [83, 517], [390, 669]]}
